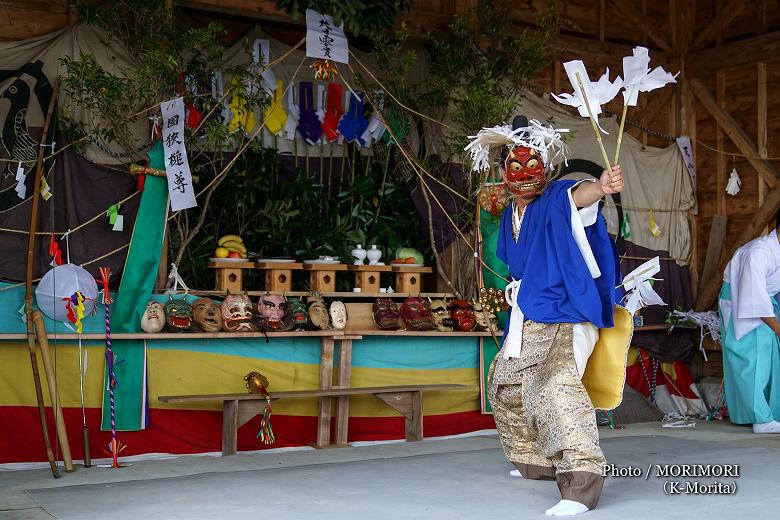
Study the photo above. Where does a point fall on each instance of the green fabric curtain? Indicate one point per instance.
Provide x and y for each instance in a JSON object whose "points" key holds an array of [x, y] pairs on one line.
{"points": [[138, 277]]}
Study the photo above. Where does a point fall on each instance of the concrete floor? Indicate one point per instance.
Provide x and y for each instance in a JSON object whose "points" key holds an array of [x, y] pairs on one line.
{"points": [[434, 479]]}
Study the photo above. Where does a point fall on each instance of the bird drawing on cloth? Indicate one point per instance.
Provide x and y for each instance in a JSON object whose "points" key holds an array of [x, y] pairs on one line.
{"points": [[16, 138]]}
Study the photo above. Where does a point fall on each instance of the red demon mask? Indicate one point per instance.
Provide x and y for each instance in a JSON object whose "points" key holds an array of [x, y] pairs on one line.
{"points": [[524, 172], [462, 315], [416, 313], [386, 314]]}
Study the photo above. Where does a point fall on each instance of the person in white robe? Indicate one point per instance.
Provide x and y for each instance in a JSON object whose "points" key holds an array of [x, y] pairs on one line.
{"points": [[749, 332]]}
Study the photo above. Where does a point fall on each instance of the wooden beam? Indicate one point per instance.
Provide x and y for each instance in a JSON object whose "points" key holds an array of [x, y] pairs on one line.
{"points": [[655, 106], [761, 115], [714, 250], [629, 11], [741, 53], [735, 133], [720, 143], [724, 17], [764, 215]]}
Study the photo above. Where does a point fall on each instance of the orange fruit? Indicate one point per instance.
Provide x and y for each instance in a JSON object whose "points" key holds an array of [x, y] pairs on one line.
{"points": [[410, 260]]}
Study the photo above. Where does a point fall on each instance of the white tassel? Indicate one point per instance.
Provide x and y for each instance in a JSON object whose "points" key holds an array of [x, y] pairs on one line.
{"points": [[732, 187]]}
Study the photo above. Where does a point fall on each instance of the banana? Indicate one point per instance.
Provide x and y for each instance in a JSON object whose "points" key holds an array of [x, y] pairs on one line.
{"points": [[230, 238], [234, 246]]}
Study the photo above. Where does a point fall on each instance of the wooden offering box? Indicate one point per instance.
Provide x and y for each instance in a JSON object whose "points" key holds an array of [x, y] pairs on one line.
{"points": [[229, 275], [367, 277], [322, 277], [278, 276], [409, 279]]}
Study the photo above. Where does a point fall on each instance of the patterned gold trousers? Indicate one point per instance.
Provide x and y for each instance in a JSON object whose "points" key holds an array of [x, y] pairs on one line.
{"points": [[545, 419]]}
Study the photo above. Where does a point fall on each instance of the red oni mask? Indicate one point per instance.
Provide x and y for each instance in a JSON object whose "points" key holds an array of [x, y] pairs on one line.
{"points": [[416, 313], [524, 172], [462, 315]]}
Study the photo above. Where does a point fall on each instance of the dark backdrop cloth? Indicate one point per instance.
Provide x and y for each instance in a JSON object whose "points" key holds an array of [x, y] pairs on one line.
{"points": [[675, 289], [80, 191]]}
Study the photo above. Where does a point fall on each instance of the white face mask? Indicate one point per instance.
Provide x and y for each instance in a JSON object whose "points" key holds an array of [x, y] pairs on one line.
{"points": [[338, 315], [153, 319]]}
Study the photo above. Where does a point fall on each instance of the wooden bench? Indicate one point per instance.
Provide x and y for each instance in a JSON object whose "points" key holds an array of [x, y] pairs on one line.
{"points": [[238, 409]]}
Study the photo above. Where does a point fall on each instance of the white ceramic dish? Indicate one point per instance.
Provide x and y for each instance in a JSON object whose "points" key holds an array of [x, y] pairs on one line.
{"points": [[277, 260], [408, 265], [321, 261], [229, 260]]}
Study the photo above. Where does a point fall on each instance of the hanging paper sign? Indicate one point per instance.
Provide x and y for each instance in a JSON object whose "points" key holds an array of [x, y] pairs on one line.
{"points": [[323, 39], [684, 144], [177, 167]]}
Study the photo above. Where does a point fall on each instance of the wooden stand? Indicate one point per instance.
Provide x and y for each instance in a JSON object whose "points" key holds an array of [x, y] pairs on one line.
{"points": [[367, 277], [278, 276], [408, 279], [229, 275], [322, 277]]}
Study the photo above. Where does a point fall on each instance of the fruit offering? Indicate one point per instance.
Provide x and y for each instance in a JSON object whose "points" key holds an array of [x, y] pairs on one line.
{"points": [[230, 246]]}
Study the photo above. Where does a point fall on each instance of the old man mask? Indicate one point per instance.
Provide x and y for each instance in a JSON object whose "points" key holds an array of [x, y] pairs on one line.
{"points": [[207, 315]]}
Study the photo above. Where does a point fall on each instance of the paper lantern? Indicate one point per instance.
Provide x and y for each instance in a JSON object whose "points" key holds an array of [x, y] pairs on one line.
{"points": [[56, 290]]}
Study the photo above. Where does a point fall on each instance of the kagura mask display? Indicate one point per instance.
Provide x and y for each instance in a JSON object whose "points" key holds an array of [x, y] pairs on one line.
{"points": [[416, 313], [524, 172], [178, 315], [153, 319], [486, 320], [338, 315], [272, 309], [441, 316], [318, 312], [462, 315], [296, 311], [386, 314], [237, 313], [207, 315]]}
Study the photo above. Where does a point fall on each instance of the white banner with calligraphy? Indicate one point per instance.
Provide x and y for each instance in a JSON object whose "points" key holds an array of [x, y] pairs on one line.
{"points": [[177, 167], [323, 39], [686, 150]]}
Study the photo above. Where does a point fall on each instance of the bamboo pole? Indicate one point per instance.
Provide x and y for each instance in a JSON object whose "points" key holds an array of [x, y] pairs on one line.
{"points": [[48, 369], [620, 134], [28, 281], [594, 125]]}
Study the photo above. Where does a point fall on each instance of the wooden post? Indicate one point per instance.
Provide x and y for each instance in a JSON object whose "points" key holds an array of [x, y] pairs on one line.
{"points": [[229, 428], [326, 382], [342, 407]]}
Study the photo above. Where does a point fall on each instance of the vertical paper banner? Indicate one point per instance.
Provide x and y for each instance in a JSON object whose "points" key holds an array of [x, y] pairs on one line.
{"points": [[323, 39], [684, 143], [177, 167]]}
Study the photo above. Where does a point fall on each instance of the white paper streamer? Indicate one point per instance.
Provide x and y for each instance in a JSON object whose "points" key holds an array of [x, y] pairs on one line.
{"points": [[734, 183], [637, 76], [639, 292]]}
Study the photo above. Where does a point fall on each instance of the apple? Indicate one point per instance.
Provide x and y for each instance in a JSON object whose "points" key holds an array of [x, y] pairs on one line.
{"points": [[235, 254], [221, 252]]}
